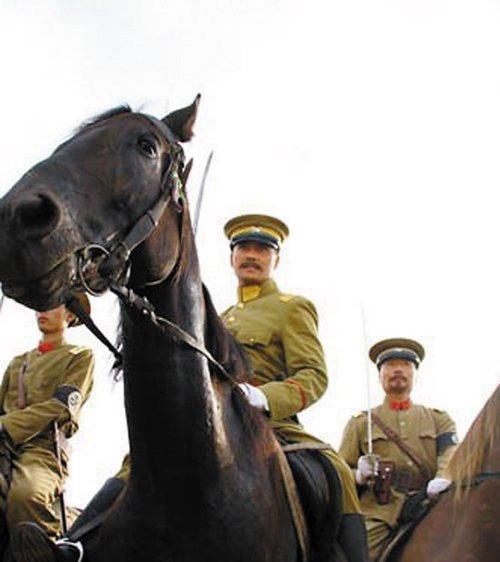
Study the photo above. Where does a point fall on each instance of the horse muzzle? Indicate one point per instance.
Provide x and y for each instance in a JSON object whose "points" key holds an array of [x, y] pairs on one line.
{"points": [[44, 292]]}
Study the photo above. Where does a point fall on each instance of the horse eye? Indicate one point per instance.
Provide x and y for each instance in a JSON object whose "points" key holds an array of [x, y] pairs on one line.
{"points": [[146, 147]]}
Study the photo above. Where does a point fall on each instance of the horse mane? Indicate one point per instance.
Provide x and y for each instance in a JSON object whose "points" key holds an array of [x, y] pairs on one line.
{"points": [[118, 110], [223, 346], [467, 460], [218, 340], [233, 357]]}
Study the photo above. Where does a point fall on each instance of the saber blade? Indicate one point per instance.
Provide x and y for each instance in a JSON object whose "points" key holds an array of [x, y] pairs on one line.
{"points": [[202, 191], [368, 393]]}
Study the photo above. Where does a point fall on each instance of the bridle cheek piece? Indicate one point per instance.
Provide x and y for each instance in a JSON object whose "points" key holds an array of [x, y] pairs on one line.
{"points": [[98, 267]]}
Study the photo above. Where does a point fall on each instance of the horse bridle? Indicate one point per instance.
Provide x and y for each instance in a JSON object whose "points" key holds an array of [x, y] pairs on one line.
{"points": [[113, 264]]}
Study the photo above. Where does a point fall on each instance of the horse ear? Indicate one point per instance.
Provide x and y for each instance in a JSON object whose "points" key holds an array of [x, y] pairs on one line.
{"points": [[181, 121]]}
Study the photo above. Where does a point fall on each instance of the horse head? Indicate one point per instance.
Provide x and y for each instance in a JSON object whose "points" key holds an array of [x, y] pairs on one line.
{"points": [[70, 219]]}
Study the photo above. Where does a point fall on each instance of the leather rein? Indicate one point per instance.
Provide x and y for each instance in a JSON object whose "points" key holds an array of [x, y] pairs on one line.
{"points": [[113, 265], [483, 476]]}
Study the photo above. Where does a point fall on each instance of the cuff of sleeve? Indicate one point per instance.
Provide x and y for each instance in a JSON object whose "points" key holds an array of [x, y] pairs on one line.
{"points": [[16, 437], [282, 403]]}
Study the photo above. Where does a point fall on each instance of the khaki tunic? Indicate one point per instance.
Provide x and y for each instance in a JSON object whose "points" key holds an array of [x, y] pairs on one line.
{"points": [[430, 433], [56, 385], [280, 335], [124, 472]]}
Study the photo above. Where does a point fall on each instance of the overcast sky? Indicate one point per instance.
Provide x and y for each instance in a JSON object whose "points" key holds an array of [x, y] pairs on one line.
{"points": [[371, 128]]}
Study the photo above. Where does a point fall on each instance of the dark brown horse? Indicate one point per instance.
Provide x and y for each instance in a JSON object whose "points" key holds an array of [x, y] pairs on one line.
{"points": [[464, 526], [205, 484]]}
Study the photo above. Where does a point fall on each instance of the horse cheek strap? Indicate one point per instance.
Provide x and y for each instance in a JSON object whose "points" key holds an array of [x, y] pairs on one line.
{"points": [[177, 191], [114, 265]]}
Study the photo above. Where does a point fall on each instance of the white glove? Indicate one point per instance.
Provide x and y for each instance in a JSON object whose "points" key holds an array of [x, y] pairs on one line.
{"points": [[255, 396], [367, 468], [436, 486]]}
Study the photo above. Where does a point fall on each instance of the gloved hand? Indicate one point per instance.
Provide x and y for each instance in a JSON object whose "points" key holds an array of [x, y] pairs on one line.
{"points": [[255, 396], [436, 486], [367, 468]]}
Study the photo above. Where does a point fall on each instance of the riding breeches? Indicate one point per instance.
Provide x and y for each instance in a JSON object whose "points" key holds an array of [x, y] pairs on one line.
{"points": [[36, 482], [294, 433]]}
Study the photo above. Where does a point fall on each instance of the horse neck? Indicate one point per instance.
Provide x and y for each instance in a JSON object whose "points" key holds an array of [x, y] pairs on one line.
{"points": [[173, 416]]}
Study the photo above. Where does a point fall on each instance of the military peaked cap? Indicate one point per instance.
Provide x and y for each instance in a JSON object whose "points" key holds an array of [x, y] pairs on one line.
{"points": [[397, 348], [256, 228]]}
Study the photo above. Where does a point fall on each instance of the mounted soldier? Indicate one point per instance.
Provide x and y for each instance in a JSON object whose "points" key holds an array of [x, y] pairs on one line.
{"points": [[412, 444], [279, 332], [214, 489], [41, 395]]}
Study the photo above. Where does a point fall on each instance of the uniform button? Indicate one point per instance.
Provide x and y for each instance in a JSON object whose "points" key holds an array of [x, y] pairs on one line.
{"points": [[402, 423], [252, 340], [409, 463], [231, 319], [240, 305]]}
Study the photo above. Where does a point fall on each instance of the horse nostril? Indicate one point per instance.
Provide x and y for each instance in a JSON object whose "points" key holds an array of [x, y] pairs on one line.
{"points": [[38, 215]]}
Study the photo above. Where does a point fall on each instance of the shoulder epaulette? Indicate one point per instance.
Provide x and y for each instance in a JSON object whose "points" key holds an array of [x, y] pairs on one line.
{"points": [[286, 297], [438, 411], [76, 349]]}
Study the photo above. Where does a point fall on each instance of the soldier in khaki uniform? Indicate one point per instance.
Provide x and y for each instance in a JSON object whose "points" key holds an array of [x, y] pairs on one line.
{"points": [[430, 434], [71, 548], [46, 385], [279, 332]]}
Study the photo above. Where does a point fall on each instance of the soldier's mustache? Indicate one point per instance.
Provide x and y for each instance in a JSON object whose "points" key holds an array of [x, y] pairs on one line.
{"points": [[253, 264]]}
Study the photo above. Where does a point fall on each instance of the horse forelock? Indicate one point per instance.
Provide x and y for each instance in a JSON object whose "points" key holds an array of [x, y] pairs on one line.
{"points": [[469, 458]]}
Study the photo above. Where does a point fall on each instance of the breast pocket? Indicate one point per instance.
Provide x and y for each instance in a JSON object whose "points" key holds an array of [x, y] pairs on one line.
{"points": [[38, 388], [380, 441], [428, 433], [38, 393], [255, 338], [427, 438]]}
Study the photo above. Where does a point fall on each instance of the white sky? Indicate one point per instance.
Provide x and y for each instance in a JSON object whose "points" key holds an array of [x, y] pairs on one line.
{"points": [[372, 128]]}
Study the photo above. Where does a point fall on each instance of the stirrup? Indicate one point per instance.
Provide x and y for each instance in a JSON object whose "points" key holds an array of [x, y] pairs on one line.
{"points": [[76, 545]]}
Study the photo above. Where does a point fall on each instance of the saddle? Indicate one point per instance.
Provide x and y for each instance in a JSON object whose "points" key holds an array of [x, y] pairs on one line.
{"points": [[320, 496], [415, 508]]}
